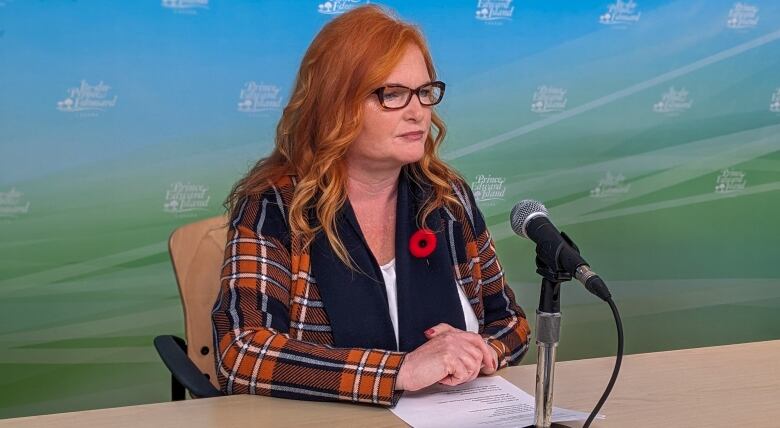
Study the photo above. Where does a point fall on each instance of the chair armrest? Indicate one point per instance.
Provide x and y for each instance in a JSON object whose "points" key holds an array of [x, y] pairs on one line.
{"points": [[173, 352]]}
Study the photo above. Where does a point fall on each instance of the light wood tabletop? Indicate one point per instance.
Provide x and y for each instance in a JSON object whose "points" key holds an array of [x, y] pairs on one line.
{"points": [[722, 386]]}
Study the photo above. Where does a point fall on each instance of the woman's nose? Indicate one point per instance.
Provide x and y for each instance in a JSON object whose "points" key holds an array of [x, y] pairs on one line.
{"points": [[414, 110]]}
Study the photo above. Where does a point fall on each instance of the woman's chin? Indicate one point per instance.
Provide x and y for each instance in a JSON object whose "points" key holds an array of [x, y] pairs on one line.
{"points": [[412, 156]]}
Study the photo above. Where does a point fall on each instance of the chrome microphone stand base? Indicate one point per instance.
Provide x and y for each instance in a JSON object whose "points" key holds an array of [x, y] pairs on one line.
{"points": [[548, 329]]}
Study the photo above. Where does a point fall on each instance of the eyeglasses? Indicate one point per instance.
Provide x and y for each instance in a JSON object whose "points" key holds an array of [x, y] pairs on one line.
{"points": [[394, 97]]}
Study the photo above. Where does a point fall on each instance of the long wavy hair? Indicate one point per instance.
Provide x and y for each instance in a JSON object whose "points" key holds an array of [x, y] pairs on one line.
{"points": [[348, 59]]}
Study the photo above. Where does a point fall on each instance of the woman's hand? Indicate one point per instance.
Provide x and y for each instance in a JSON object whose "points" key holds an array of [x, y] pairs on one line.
{"points": [[450, 357], [489, 356]]}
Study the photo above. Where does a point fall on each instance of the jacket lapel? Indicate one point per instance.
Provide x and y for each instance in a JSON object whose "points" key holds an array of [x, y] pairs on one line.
{"points": [[462, 253], [355, 301], [426, 286]]}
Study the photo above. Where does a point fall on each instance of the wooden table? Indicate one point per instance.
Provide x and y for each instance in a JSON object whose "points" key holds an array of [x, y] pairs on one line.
{"points": [[726, 386]]}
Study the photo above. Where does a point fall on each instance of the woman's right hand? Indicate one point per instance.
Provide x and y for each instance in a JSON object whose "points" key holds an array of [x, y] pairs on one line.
{"points": [[450, 356]]}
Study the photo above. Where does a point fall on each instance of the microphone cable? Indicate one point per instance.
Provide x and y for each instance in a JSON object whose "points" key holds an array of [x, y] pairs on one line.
{"points": [[618, 361]]}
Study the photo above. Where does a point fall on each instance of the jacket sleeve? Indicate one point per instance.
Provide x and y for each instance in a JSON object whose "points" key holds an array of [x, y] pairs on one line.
{"points": [[251, 319], [506, 328]]}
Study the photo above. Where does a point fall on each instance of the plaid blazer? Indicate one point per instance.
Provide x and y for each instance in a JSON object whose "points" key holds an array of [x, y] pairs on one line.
{"points": [[297, 323]]}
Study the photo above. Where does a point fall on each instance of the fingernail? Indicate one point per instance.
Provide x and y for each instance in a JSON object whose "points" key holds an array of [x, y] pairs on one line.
{"points": [[429, 331]]}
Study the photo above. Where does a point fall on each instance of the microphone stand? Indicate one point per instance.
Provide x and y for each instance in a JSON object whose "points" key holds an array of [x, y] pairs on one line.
{"points": [[548, 329]]}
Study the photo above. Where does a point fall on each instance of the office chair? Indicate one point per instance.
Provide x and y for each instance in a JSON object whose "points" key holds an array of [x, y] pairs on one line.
{"points": [[197, 252]]}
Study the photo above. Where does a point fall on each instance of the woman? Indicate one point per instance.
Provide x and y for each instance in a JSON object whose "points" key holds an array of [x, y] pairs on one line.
{"points": [[357, 262]]}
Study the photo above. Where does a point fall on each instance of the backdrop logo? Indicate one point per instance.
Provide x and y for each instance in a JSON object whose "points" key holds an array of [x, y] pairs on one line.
{"points": [[336, 7], [185, 6], [673, 102], [87, 98], [487, 188], [730, 181], [742, 16], [183, 198], [548, 99], [620, 12], [611, 185], [12, 205], [494, 10], [774, 106], [255, 98]]}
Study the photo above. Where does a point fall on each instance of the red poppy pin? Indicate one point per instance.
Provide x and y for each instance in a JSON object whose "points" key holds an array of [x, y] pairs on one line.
{"points": [[422, 243]]}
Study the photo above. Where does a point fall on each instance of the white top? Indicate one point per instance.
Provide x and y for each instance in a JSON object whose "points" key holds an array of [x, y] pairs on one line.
{"points": [[388, 273]]}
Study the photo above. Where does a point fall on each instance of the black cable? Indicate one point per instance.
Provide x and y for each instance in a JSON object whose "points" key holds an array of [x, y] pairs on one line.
{"points": [[616, 370]]}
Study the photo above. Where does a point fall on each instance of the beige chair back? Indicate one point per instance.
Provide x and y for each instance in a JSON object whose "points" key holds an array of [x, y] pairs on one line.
{"points": [[197, 252]]}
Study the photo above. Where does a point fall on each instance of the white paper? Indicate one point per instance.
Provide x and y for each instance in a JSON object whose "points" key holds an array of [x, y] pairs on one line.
{"points": [[484, 402]]}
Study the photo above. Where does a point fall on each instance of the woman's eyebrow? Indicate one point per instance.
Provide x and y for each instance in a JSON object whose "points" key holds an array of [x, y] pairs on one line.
{"points": [[401, 84]]}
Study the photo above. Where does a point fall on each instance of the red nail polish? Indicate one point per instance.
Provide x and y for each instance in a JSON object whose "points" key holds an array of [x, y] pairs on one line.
{"points": [[429, 331]]}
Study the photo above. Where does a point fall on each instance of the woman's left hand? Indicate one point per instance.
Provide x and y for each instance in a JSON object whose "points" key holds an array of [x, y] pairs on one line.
{"points": [[489, 356]]}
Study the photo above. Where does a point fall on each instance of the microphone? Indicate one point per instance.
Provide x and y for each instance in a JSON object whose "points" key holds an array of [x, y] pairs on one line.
{"points": [[530, 220]]}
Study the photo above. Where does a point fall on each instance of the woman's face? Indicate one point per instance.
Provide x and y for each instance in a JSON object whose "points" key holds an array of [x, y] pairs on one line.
{"points": [[392, 138]]}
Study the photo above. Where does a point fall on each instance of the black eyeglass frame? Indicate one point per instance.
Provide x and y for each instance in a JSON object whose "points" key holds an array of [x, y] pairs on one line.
{"points": [[380, 94]]}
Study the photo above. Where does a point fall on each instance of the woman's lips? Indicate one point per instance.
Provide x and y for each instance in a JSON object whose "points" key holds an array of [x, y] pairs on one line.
{"points": [[413, 136]]}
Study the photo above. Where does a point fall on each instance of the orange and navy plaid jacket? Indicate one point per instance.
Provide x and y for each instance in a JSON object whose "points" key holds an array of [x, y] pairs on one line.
{"points": [[275, 317]]}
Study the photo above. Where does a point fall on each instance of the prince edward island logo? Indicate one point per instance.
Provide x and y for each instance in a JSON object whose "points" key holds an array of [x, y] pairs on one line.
{"points": [[185, 6], [256, 98], [182, 198], [673, 102], [742, 16], [494, 10], [87, 97], [487, 188], [548, 99], [12, 205], [620, 13], [611, 185], [337, 7], [730, 181], [774, 106]]}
